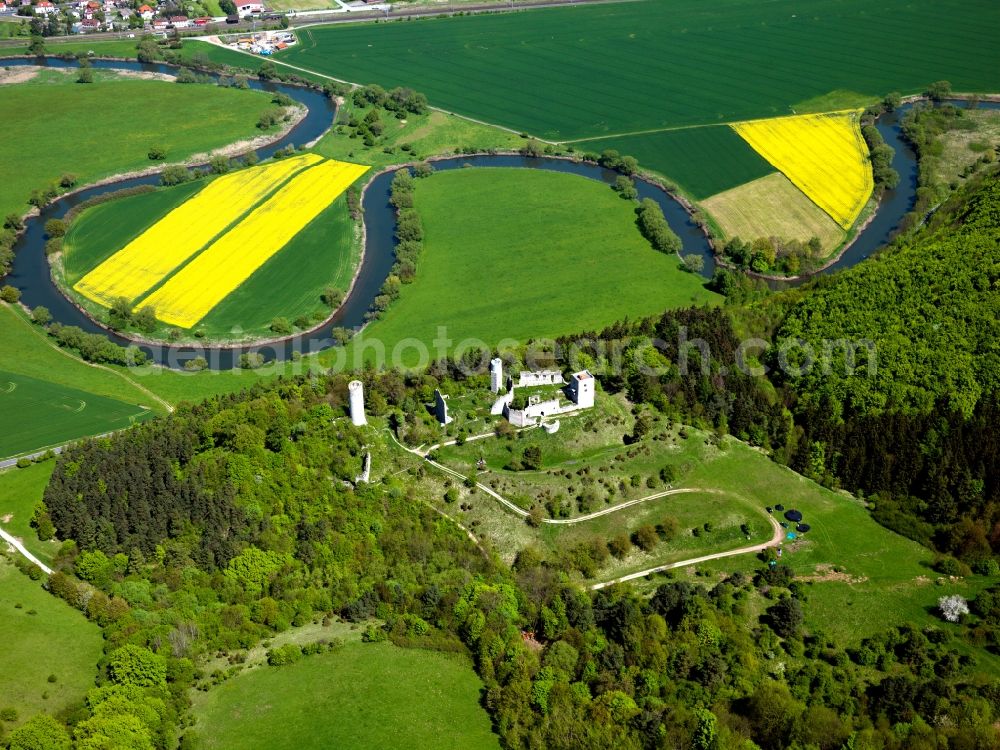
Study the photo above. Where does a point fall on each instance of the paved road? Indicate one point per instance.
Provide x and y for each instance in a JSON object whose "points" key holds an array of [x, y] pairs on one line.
{"points": [[776, 539], [13, 542]]}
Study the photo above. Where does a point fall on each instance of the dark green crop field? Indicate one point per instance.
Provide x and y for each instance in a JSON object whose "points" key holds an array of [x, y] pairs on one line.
{"points": [[289, 285], [47, 414], [582, 72], [703, 161]]}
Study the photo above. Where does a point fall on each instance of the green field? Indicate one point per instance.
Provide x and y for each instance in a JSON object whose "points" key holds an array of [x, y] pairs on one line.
{"points": [[288, 285], [41, 637], [45, 413], [99, 232], [702, 161], [184, 119], [598, 70], [518, 253], [20, 491], [360, 696], [28, 351]]}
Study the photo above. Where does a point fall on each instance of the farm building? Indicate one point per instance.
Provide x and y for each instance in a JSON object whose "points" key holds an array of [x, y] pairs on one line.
{"points": [[253, 6]]}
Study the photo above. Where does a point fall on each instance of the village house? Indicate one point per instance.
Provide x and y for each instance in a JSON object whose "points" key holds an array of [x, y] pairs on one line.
{"points": [[45, 7], [179, 22], [146, 13], [253, 6]]}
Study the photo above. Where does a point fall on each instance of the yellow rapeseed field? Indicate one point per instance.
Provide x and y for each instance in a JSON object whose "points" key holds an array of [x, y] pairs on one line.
{"points": [[204, 282], [167, 244], [824, 155]]}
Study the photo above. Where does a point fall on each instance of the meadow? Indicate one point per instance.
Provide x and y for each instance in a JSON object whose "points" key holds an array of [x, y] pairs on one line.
{"points": [[570, 73], [43, 636], [363, 695], [184, 119], [48, 414], [515, 253], [773, 207], [20, 491]]}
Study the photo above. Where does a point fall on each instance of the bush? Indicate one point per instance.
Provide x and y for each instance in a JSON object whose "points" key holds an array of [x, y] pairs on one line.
{"points": [[10, 294], [55, 228], [287, 654], [157, 153], [41, 316], [251, 360]]}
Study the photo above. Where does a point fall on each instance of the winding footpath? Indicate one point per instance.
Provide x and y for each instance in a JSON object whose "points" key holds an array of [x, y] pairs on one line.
{"points": [[776, 539], [777, 536], [16, 544]]}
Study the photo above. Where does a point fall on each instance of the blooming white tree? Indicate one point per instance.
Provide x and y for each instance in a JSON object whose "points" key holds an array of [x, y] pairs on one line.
{"points": [[953, 607]]}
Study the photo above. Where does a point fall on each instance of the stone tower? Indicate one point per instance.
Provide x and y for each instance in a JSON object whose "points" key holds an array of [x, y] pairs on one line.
{"points": [[357, 391], [496, 375]]}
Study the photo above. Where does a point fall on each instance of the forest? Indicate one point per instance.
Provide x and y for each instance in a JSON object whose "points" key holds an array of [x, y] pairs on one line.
{"points": [[259, 526]]}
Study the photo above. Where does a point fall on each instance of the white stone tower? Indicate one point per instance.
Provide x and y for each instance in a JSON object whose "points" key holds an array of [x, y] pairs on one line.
{"points": [[496, 374], [357, 391]]}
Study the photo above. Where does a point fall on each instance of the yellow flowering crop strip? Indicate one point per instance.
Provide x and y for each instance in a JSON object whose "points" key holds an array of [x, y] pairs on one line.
{"points": [[824, 155], [204, 282], [167, 244]]}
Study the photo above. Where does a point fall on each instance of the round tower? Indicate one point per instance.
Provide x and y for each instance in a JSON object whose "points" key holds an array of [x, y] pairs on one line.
{"points": [[357, 391], [496, 375]]}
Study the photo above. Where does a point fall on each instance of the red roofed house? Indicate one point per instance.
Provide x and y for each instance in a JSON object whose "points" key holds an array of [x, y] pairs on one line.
{"points": [[179, 22], [146, 12], [45, 7]]}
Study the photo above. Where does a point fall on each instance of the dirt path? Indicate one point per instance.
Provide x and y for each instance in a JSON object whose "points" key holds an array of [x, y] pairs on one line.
{"points": [[13, 542], [422, 453], [776, 539]]}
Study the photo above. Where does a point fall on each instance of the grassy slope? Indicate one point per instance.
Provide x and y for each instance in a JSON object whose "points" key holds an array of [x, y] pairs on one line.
{"points": [[521, 254], [95, 141], [429, 134], [56, 639], [773, 207], [47, 414], [27, 351], [361, 696], [960, 148], [55, 377], [702, 161], [573, 72], [887, 578], [20, 491]]}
